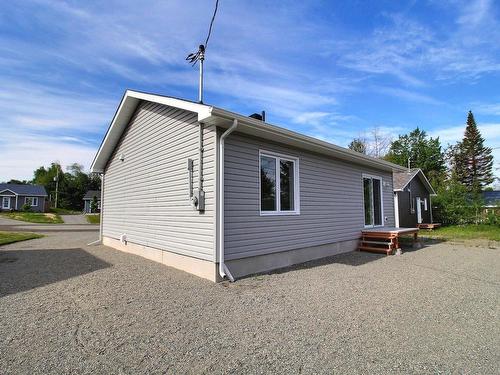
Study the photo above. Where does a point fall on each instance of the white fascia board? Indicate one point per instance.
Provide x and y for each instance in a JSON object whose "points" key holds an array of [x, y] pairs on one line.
{"points": [[258, 128], [122, 117], [426, 182], [13, 192]]}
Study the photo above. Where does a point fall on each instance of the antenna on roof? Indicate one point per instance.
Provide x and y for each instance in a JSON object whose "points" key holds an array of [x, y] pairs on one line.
{"points": [[193, 58]]}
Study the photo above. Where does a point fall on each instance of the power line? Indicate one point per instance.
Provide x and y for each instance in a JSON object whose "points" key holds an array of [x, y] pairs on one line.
{"points": [[211, 23], [193, 58]]}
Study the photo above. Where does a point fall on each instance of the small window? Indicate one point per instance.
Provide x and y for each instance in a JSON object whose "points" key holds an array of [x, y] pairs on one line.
{"points": [[6, 202], [278, 184], [32, 201], [425, 204], [412, 202], [372, 200]]}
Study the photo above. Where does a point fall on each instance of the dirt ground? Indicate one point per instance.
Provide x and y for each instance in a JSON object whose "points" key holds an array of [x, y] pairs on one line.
{"points": [[69, 308]]}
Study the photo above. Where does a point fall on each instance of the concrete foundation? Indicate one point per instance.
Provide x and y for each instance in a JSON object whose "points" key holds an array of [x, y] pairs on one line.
{"points": [[198, 267], [238, 267], [268, 262]]}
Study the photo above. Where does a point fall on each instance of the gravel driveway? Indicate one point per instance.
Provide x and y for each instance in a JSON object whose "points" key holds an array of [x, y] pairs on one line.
{"points": [[68, 308]]}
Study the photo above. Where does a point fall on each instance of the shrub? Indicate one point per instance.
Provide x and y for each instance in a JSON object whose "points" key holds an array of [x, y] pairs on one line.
{"points": [[26, 207]]}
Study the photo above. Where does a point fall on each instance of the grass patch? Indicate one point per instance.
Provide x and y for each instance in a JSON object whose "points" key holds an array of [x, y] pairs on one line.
{"points": [[34, 217], [11, 237], [94, 219], [464, 232], [64, 211]]}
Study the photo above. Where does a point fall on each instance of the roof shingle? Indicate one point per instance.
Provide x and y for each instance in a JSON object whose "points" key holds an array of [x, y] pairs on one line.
{"points": [[24, 189]]}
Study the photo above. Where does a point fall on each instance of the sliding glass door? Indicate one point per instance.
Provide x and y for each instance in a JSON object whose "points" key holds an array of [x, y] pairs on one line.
{"points": [[372, 197]]}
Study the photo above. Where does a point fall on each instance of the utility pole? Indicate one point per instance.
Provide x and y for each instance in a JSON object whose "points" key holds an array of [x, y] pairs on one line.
{"points": [[56, 179]]}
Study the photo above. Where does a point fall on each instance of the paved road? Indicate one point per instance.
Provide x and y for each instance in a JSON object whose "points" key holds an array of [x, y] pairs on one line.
{"points": [[69, 308], [74, 219]]}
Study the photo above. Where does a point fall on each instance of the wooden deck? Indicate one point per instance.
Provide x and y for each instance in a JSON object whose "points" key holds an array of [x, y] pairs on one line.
{"points": [[384, 240], [429, 226]]}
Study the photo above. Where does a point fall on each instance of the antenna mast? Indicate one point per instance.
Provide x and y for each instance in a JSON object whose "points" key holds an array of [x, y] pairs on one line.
{"points": [[200, 86]]}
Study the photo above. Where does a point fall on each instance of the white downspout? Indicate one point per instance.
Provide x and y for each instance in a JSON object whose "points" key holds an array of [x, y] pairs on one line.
{"points": [[102, 207], [223, 270]]}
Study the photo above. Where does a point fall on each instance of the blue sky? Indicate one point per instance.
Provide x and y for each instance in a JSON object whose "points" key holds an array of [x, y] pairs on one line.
{"points": [[333, 70]]}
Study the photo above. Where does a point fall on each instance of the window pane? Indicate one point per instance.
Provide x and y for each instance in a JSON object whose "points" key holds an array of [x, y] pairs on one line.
{"points": [[377, 204], [267, 183], [367, 193], [286, 185]]}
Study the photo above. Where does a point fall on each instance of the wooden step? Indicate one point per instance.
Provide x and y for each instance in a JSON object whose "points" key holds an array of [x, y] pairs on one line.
{"points": [[378, 242], [375, 250]]}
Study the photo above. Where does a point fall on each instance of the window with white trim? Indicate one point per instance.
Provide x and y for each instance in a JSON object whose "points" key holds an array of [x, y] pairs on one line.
{"points": [[279, 184], [6, 202], [425, 204], [32, 201], [372, 200], [412, 202]]}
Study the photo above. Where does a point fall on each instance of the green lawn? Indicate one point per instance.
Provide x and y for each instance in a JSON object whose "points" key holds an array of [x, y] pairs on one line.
{"points": [[94, 219], [10, 237], [64, 211], [34, 217], [464, 232]]}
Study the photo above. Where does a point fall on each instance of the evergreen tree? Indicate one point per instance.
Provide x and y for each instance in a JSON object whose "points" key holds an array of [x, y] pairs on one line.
{"points": [[471, 161], [422, 151], [358, 145]]}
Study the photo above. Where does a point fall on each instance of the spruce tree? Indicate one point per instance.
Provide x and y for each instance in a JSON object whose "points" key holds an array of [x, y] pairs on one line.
{"points": [[358, 145], [472, 162]]}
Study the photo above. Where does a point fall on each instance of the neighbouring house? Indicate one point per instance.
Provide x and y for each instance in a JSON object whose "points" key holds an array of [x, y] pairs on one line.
{"points": [[491, 201], [14, 196], [219, 194], [412, 198], [87, 201]]}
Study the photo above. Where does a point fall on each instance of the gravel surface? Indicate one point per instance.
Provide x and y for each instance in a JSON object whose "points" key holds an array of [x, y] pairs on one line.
{"points": [[69, 308]]}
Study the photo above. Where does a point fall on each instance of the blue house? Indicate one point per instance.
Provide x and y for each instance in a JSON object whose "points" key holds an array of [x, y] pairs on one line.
{"points": [[14, 196]]}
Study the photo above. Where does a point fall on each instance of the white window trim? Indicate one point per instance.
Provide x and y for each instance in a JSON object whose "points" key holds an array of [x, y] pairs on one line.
{"points": [[33, 200], [374, 177], [296, 184], [8, 197], [425, 204]]}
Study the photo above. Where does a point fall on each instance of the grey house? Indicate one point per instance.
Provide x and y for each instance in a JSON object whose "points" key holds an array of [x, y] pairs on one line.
{"points": [[412, 198], [13, 197], [87, 201], [219, 194], [491, 201]]}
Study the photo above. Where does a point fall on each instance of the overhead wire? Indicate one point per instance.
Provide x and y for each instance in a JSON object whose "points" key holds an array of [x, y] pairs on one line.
{"points": [[194, 57]]}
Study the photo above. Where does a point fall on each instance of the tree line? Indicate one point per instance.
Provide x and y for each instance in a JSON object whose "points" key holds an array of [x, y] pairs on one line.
{"points": [[459, 173], [71, 185]]}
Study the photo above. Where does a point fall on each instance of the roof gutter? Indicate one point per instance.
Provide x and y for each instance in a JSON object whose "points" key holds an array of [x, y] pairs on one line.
{"points": [[269, 130], [223, 270]]}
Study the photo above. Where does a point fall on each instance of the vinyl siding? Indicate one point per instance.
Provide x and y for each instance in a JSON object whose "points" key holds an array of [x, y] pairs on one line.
{"points": [[331, 201], [40, 207], [146, 196], [407, 219]]}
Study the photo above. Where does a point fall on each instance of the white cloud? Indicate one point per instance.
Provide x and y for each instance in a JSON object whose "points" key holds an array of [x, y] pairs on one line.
{"points": [[36, 107], [21, 155], [487, 109], [408, 95]]}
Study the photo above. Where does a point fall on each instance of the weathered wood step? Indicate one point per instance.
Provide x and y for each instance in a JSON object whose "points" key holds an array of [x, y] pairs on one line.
{"points": [[385, 243], [375, 249]]}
